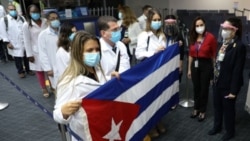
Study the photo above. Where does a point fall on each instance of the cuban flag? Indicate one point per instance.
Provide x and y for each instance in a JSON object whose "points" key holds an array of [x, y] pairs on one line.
{"points": [[126, 109]]}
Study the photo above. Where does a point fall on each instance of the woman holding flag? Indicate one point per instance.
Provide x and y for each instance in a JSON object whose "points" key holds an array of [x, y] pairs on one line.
{"points": [[150, 42], [83, 75]]}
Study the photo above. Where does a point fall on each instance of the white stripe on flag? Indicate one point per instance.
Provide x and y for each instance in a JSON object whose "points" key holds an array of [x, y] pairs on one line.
{"points": [[145, 116], [144, 86]]}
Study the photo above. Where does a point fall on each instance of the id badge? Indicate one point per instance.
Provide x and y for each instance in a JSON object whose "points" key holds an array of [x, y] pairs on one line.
{"points": [[196, 64]]}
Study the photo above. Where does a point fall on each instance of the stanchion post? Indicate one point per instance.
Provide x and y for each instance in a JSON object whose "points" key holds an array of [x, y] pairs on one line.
{"points": [[63, 131], [187, 102]]}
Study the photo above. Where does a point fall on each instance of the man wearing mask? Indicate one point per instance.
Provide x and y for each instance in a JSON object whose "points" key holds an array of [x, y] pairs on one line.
{"points": [[11, 32], [114, 58], [47, 46], [143, 18], [17, 5]]}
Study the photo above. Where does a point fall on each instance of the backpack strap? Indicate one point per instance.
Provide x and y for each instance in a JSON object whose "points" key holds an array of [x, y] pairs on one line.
{"points": [[147, 43], [118, 61], [21, 18], [6, 22]]}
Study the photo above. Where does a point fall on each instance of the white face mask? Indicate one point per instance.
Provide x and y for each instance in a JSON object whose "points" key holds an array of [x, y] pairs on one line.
{"points": [[225, 34], [200, 30]]}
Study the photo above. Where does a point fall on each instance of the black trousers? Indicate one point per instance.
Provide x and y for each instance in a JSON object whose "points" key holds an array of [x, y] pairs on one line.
{"points": [[20, 62], [201, 77], [224, 108]]}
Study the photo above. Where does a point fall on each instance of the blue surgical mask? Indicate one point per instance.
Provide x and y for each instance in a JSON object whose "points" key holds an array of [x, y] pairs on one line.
{"points": [[91, 59], [115, 36], [120, 15], [71, 36], [55, 23], [155, 25], [35, 16], [13, 13]]}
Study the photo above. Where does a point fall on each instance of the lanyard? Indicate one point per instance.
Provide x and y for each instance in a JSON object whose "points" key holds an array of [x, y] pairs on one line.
{"points": [[198, 45]]}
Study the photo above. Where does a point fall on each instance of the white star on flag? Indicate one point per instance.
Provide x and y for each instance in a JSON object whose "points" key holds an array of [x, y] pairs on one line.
{"points": [[114, 132]]}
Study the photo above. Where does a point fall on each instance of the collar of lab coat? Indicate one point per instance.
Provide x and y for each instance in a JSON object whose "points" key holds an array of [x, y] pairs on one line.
{"points": [[44, 21], [11, 18], [51, 31], [152, 35], [89, 81], [105, 46], [145, 17]]}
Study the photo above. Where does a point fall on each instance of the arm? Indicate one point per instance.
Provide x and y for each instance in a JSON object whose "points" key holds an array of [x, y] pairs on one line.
{"points": [[65, 105], [62, 60], [27, 40], [141, 49], [190, 60], [43, 56], [3, 31], [237, 73], [135, 30]]}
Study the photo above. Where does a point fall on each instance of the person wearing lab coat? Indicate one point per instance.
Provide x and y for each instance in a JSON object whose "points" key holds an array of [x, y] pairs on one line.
{"points": [[150, 42], [83, 75], [66, 35], [47, 46], [12, 34], [130, 29], [143, 18], [31, 30], [115, 58]]}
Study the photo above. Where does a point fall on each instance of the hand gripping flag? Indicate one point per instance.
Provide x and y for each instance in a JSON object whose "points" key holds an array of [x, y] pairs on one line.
{"points": [[126, 109]]}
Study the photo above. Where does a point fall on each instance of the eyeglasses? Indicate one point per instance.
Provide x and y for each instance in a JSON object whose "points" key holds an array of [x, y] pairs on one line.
{"points": [[12, 9], [53, 18], [115, 29]]}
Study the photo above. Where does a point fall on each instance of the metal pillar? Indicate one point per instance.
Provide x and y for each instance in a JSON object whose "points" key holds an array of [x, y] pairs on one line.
{"points": [[187, 102]]}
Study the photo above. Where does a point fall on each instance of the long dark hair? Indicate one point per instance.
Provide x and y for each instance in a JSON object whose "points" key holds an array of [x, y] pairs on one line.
{"points": [[29, 19], [64, 33], [193, 33]]}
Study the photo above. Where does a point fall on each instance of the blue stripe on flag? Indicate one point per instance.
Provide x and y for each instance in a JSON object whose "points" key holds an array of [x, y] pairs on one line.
{"points": [[132, 76], [155, 118], [153, 94]]}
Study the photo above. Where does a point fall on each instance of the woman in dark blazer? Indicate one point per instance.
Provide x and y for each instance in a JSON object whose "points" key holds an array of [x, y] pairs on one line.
{"points": [[228, 77]]}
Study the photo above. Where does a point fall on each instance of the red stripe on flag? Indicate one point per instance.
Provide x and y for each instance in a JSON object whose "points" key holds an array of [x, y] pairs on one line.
{"points": [[109, 120]]}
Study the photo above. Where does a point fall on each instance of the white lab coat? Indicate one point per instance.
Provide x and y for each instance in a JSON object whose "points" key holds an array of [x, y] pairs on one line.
{"points": [[2, 14], [76, 89], [30, 35], [14, 35], [142, 21], [133, 31], [62, 62], [141, 51], [109, 58], [47, 46]]}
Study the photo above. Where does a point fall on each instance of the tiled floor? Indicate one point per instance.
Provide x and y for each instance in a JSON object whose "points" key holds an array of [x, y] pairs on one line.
{"points": [[24, 121]]}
